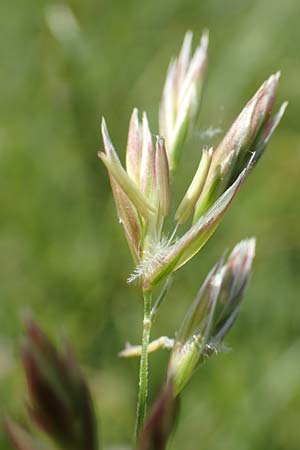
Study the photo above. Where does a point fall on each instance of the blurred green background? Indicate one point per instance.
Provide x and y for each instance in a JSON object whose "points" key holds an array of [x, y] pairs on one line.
{"points": [[62, 252]]}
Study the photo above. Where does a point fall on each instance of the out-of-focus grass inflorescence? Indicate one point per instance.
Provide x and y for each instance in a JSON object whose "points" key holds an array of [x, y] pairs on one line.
{"points": [[60, 404], [142, 192]]}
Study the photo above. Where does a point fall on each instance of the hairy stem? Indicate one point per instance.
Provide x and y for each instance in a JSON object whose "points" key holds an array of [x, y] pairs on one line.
{"points": [[143, 376]]}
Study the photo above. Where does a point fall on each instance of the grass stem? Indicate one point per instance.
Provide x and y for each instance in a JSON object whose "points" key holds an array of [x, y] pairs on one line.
{"points": [[143, 375]]}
